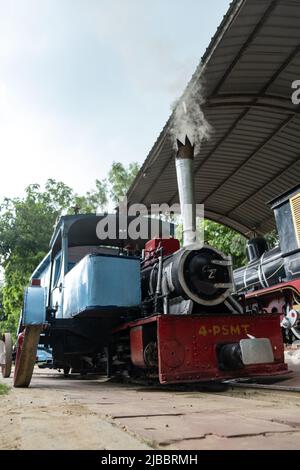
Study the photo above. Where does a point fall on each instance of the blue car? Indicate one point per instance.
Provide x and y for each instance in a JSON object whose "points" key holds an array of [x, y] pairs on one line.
{"points": [[44, 357]]}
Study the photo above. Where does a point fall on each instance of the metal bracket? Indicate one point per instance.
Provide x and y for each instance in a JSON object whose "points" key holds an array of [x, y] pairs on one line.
{"points": [[256, 351]]}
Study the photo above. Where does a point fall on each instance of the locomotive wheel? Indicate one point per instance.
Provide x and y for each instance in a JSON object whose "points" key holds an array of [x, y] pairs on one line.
{"points": [[67, 371], [296, 332], [6, 366], [27, 344]]}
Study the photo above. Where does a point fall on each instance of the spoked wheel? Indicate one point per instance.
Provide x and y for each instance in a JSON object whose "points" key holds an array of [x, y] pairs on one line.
{"points": [[6, 355], [296, 331], [27, 344]]}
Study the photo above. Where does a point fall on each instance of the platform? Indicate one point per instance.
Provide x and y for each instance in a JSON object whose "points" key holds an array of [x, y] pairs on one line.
{"points": [[59, 413]]}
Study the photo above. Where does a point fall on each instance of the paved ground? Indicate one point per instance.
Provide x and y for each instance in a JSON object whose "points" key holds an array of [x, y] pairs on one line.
{"points": [[58, 413]]}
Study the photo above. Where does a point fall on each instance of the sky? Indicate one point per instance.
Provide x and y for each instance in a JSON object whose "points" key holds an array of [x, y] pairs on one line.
{"points": [[84, 83]]}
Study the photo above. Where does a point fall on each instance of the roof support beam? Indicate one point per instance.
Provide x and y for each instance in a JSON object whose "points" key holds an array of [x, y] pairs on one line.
{"points": [[265, 101]]}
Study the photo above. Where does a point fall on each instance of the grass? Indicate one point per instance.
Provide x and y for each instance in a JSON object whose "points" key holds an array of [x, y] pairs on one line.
{"points": [[3, 389]]}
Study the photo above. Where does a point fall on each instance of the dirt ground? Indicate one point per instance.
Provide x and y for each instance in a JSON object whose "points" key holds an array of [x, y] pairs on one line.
{"points": [[59, 413]]}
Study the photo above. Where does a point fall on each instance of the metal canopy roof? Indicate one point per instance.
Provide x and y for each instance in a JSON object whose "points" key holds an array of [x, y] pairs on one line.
{"points": [[253, 153]]}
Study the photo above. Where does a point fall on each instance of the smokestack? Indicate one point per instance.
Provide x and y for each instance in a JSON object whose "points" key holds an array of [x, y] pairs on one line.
{"points": [[186, 189]]}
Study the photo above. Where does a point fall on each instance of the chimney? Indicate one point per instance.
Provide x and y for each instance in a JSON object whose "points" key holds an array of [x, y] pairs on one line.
{"points": [[186, 190]]}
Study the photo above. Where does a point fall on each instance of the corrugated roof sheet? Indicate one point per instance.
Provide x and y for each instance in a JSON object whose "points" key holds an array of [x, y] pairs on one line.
{"points": [[253, 153]]}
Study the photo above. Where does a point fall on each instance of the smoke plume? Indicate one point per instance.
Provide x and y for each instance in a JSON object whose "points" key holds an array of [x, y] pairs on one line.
{"points": [[188, 118]]}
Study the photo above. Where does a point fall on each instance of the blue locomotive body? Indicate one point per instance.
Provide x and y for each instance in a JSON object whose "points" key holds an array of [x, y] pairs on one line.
{"points": [[82, 290], [100, 283], [79, 276]]}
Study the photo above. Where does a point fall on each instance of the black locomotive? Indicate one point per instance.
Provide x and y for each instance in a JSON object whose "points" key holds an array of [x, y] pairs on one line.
{"points": [[271, 280]]}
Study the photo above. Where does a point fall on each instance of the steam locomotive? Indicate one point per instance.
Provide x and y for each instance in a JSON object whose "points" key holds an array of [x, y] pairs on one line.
{"points": [[142, 308], [271, 280]]}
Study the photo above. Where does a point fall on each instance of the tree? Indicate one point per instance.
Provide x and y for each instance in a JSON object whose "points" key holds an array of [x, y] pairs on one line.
{"points": [[94, 201], [26, 225], [2, 314], [272, 239], [223, 238], [120, 179], [231, 242], [226, 240]]}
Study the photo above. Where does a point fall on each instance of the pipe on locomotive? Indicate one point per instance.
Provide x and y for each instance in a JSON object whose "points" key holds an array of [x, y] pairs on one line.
{"points": [[207, 260], [186, 189], [194, 277]]}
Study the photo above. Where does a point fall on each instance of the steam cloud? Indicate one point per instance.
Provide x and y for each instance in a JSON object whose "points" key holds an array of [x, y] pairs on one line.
{"points": [[189, 119]]}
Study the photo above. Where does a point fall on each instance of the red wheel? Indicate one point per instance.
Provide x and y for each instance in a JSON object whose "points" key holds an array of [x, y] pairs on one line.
{"points": [[6, 354], [27, 344]]}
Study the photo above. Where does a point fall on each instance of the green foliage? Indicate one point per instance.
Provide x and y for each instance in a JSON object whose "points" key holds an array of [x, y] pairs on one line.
{"points": [[4, 389], [226, 240], [2, 315], [114, 188], [231, 242], [26, 225], [120, 179], [272, 239], [94, 201]]}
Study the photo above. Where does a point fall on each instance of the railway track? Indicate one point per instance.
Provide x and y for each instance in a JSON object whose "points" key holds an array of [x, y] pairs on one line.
{"points": [[284, 385]]}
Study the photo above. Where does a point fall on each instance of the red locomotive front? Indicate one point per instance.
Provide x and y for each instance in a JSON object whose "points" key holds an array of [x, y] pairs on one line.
{"points": [[194, 329]]}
